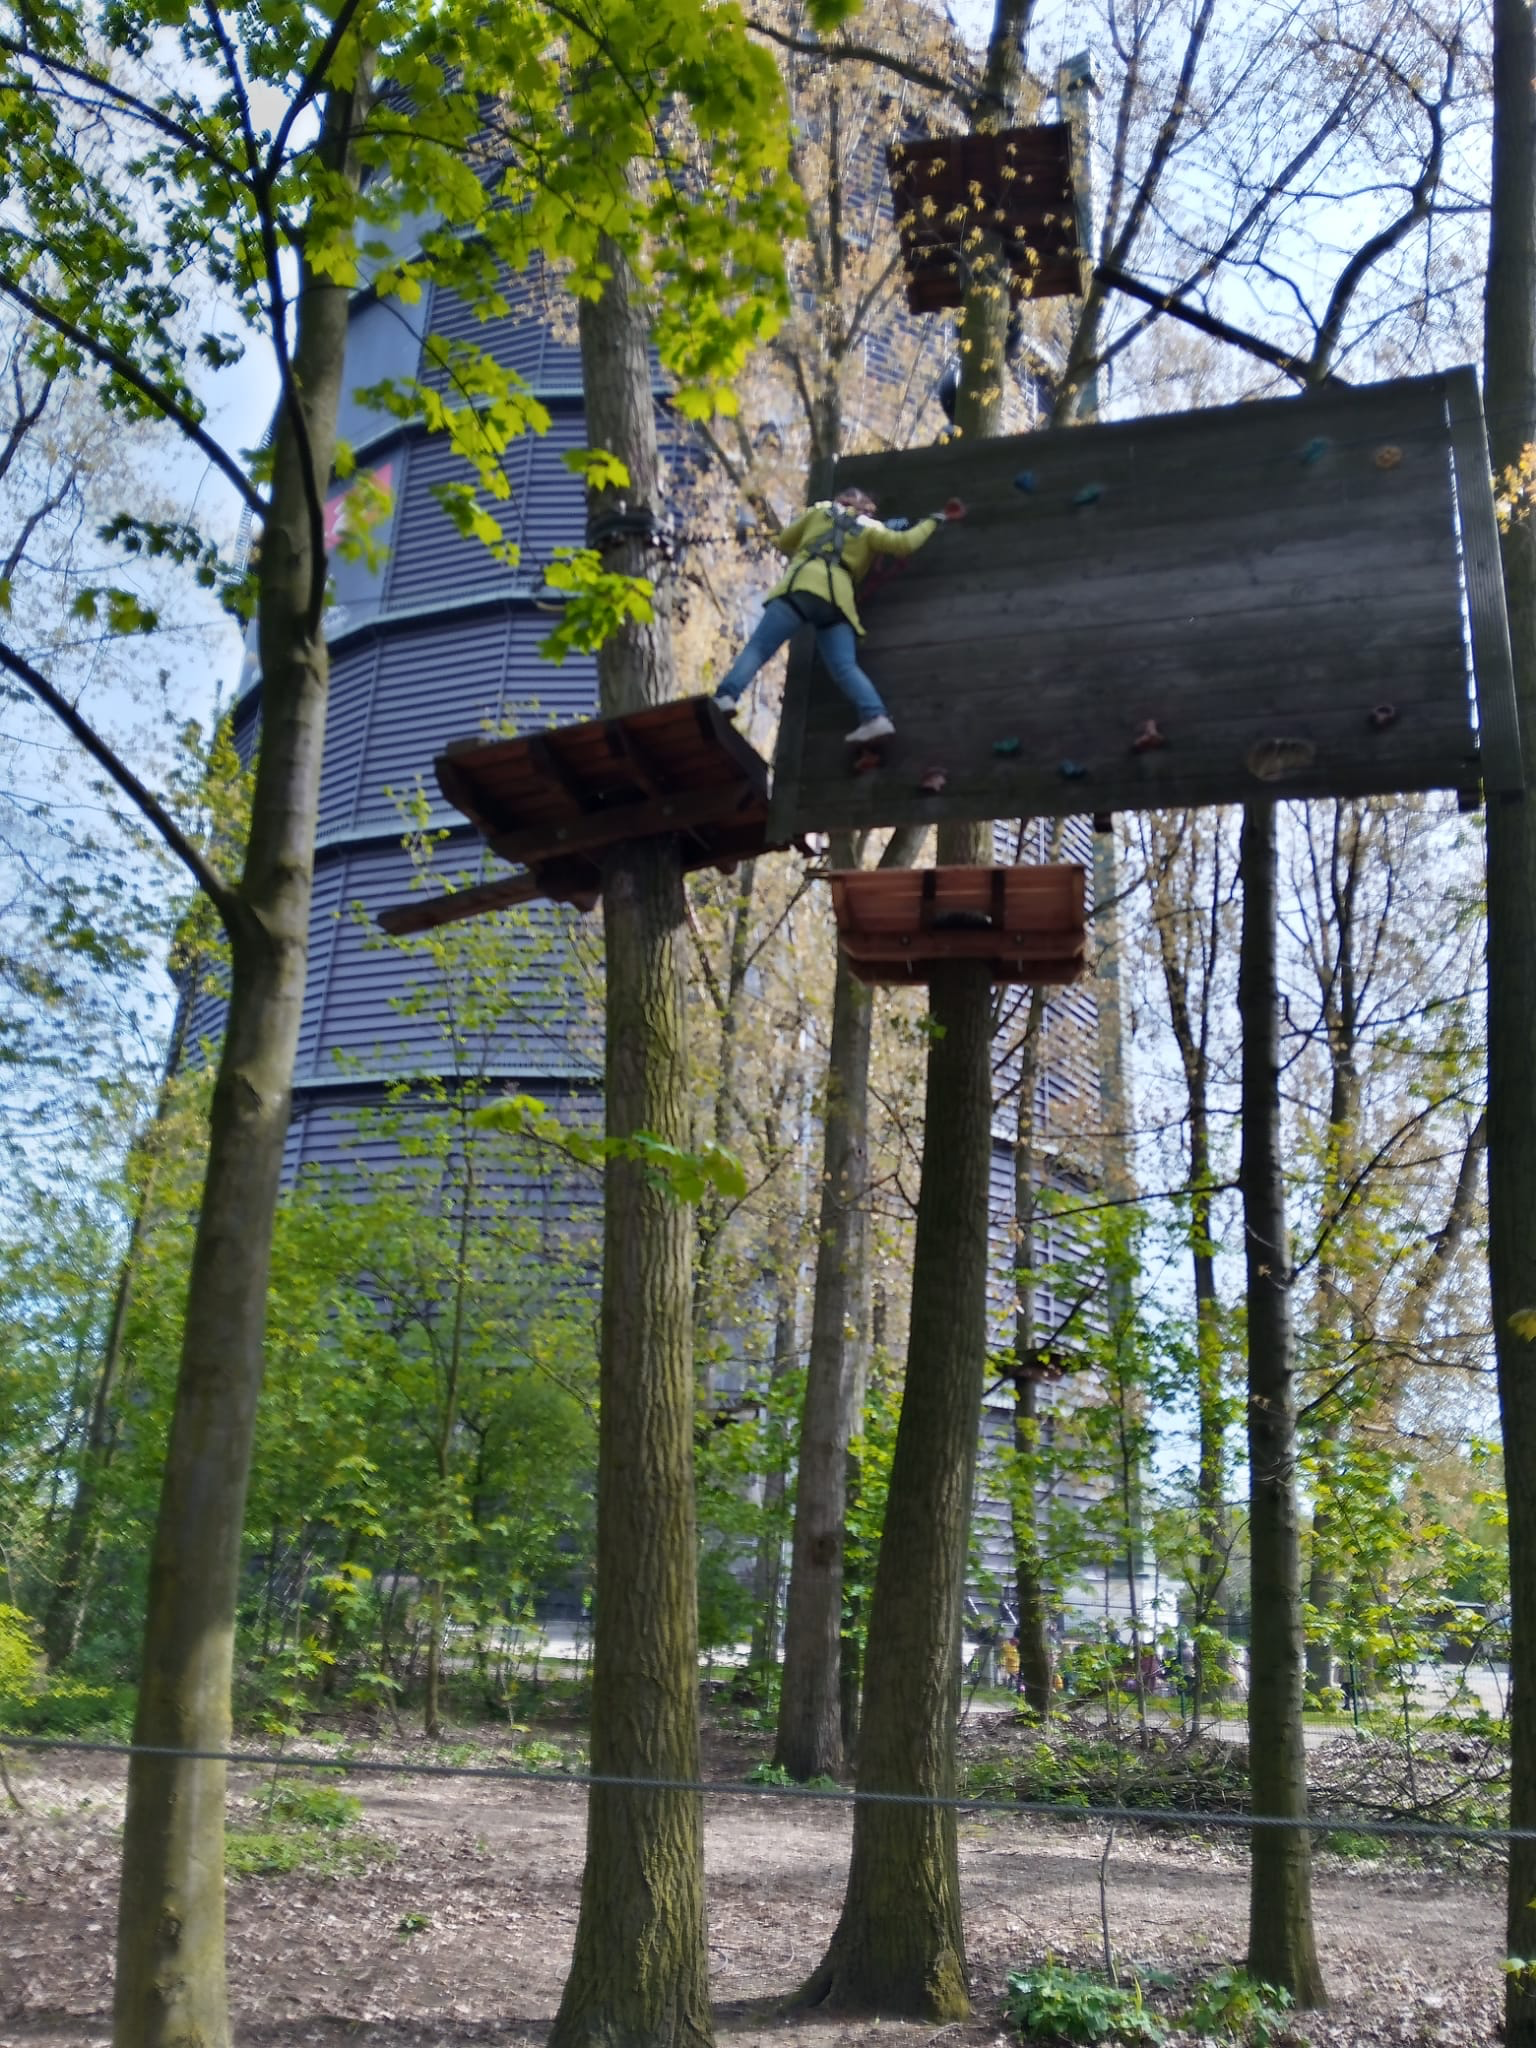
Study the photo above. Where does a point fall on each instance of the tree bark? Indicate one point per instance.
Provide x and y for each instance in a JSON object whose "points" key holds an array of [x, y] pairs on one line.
{"points": [[170, 1985], [1281, 1946], [899, 1945], [1035, 1664], [1509, 351], [639, 1971], [810, 1735]]}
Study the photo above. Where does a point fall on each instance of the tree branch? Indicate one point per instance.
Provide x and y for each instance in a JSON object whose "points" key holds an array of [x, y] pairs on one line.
{"points": [[845, 52], [207, 877], [116, 365], [1302, 368]]}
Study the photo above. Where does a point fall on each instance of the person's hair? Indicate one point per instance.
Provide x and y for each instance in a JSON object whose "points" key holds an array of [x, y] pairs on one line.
{"points": [[854, 496]]}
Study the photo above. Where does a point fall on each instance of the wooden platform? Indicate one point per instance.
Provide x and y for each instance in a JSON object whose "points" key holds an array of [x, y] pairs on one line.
{"points": [[553, 802], [1027, 923], [1017, 183], [1287, 597]]}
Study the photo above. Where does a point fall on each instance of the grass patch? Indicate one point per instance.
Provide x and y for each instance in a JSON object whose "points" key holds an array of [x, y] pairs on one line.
{"points": [[309, 1828]]}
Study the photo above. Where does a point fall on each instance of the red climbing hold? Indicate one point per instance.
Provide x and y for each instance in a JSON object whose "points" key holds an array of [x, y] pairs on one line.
{"points": [[866, 760], [1149, 737], [1383, 716]]}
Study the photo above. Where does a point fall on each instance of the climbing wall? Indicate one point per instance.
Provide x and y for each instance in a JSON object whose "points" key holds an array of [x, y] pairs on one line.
{"points": [[1290, 596]]}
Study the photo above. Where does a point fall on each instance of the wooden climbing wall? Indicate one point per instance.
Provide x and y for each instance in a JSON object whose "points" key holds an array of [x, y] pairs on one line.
{"points": [[1291, 596]]}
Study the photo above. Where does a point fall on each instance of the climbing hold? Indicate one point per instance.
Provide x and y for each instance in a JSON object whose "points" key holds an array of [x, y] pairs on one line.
{"points": [[1272, 760], [1090, 494], [1007, 748], [866, 760], [1025, 480], [1315, 450], [1388, 457], [1382, 716], [1149, 737], [932, 781], [1072, 771]]}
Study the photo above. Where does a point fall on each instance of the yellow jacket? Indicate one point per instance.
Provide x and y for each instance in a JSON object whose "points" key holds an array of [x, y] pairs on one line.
{"points": [[836, 580]]}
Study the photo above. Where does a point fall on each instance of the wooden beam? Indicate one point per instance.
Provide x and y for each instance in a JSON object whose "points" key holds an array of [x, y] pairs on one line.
{"points": [[430, 913]]}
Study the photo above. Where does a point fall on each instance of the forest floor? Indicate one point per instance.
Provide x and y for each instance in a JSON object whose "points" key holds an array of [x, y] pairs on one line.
{"points": [[443, 1916]]}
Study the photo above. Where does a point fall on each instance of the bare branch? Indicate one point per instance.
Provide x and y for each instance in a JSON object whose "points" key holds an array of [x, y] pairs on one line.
{"points": [[149, 806]]}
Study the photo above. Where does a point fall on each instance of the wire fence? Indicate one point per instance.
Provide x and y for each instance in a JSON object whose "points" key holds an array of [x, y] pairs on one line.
{"points": [[832, 1795]]}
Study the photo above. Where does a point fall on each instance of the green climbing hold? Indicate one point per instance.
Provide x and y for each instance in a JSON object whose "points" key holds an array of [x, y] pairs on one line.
{"points": [[1007, 747], [1072, 771], [1090, 494], [1315, 450]]}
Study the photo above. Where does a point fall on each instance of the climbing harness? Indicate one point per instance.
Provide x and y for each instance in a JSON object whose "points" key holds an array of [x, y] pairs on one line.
{"points": [[826, 548]]}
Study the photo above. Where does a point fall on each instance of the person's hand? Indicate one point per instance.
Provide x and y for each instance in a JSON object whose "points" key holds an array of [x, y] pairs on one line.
{"points": [[954, 508]]}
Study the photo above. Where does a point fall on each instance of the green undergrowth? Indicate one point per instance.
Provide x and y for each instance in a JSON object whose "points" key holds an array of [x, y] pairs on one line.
{"points": [[1052, 2006], [309, 1828], [1069, 1769]]}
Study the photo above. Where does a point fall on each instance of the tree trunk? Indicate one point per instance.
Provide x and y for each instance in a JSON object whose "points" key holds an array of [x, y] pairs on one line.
{"points": [[1030, 1595], [170, 1986], [810, 1736], [1281, 1947], [1510, 348], [65, 1615], [900, 1944], [639, 1971], [768, 1565], [812, 1708]]}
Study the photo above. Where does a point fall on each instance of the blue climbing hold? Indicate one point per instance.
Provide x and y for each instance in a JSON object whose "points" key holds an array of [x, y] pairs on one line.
{"points": [[1315, 450], [1072, 771], [1025, 480], [1007, 747]]}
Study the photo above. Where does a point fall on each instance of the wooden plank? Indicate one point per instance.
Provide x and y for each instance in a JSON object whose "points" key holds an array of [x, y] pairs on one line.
{"points": [[648, 819], [944, 945], [1503, 768], [1014, 969], [430, 913]]}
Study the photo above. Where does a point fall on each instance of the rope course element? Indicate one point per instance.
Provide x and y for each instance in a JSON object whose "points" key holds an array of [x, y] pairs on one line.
{"points": [[1159, 1816]]}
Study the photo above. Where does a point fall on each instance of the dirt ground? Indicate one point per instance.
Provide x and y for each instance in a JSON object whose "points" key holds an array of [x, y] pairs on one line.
{"points": [[488, 1875]]}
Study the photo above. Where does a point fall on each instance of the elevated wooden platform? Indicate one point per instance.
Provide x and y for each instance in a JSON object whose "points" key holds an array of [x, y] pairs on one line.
{"points": [[1027, 923], [1017, 184], [554, 802]]}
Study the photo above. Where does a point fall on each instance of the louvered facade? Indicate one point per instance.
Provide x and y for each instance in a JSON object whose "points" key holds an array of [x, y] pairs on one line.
{"points": [[442, 642], [439, 643]]}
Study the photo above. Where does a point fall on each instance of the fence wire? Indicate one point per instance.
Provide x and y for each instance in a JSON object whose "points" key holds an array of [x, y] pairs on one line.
{"points": [[832, 1795]]}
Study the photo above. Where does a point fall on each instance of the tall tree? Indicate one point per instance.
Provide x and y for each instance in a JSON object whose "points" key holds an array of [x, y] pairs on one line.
{"points": [[640, 1969], [254, 158], [1281, 1946], [1510, 391], [900, 1941]]}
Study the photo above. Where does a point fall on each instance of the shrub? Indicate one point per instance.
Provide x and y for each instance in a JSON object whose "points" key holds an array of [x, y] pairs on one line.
{"points": [[1236, 2007], [316, 1806], [1049, 2003]]}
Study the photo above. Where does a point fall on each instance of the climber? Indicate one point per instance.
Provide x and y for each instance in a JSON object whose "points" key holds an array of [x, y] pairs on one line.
{"points": [[831, 549]]}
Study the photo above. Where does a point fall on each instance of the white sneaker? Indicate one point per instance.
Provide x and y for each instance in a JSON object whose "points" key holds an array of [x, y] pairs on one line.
{"points": [[879, 728], [731, 706]]}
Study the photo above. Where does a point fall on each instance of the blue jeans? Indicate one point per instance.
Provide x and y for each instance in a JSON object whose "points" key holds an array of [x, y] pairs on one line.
{"points": [[837, 645]]}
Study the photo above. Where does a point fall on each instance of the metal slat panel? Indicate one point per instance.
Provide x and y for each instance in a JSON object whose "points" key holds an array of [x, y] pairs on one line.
{"points": [[517, 341], [431, 560], [434, 683], [348, 709], [542, 1027]]}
